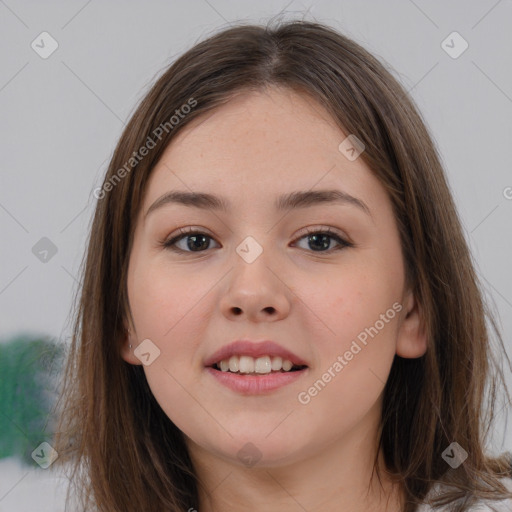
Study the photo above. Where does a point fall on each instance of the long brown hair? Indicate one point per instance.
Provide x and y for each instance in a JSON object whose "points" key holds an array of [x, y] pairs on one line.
{"points": [[126, 454]]}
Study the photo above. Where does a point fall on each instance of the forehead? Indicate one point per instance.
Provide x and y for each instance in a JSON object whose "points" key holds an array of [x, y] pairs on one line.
{"points": [[260, 124], [259, 143]]}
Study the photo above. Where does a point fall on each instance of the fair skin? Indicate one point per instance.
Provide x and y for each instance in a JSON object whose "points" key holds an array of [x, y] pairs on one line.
{"points": [[315, 456]]}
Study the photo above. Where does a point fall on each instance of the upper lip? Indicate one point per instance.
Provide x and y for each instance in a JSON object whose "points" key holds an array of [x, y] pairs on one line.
{"points": [[253, 349]]}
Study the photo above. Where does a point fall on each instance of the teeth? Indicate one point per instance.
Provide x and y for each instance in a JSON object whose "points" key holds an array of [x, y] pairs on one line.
{"points": [[287, 365], [233, 364], [260, 365], [277, 363], [246, 364]]}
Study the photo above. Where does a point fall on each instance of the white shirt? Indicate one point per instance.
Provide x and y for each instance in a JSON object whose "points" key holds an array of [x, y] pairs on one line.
{"points": [[481, 506]]}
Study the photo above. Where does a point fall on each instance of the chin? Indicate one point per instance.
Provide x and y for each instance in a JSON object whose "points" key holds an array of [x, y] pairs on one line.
{"points": [[254, 450]]}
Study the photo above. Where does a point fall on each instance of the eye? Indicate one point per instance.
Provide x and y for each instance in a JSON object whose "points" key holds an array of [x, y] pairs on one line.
{"points": [[198, 241], [195, 241], [319, 238]]}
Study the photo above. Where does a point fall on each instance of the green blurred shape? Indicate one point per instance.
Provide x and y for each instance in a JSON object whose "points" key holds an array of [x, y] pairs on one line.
{"points": [[29, 371]]}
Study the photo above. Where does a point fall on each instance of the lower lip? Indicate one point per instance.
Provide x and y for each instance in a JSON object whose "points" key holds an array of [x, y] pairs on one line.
{"points": [[255, 384]]}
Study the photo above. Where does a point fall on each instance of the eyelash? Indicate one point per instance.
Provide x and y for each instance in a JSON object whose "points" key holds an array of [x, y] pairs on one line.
{"points": [[184, 232]]}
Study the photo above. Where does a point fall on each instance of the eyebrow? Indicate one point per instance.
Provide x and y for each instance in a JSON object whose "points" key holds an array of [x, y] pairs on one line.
{"points": [[293, 200]]}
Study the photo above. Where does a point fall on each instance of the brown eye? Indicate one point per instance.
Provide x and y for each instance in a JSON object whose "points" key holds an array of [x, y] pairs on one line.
{"points": [[195, 241], [319, 241]]}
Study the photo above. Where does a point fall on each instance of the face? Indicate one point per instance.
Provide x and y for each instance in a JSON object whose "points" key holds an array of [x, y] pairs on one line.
{"points": [[322, 278]]}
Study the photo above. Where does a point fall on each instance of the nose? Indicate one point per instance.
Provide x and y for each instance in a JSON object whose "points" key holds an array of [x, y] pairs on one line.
{"points": [[256, 292]]}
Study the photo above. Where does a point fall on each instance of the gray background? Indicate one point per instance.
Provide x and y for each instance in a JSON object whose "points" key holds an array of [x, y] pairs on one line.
{"points": [[62, 116]]}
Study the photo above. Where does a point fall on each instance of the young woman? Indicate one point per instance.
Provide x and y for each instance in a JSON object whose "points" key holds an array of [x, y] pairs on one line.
{"points": [[279, 309]]}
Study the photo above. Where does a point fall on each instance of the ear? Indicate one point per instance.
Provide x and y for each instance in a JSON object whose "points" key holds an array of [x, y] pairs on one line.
{"points": [[412, 338], [128, 345]]}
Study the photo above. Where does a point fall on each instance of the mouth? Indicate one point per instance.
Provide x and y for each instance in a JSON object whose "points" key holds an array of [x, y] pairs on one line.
{"points": [[260, 366], [255, 368], [262, 375]]}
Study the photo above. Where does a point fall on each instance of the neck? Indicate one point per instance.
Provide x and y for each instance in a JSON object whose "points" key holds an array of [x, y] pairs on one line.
{"points": [[339, 477]]}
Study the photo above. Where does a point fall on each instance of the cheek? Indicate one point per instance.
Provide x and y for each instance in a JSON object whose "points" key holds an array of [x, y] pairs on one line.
{"points": [[359, 317], [356, 349], [161, 298], [167, 309], [173, 308], [352, 299]]}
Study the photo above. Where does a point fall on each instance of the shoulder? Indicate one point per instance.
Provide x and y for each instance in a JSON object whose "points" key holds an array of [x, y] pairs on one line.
{"points": [[480, 506]]}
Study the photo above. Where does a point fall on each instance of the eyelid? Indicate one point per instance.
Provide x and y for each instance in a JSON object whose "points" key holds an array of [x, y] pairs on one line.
{"points": [[182, 232], [321, 229], [342, 240]]}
